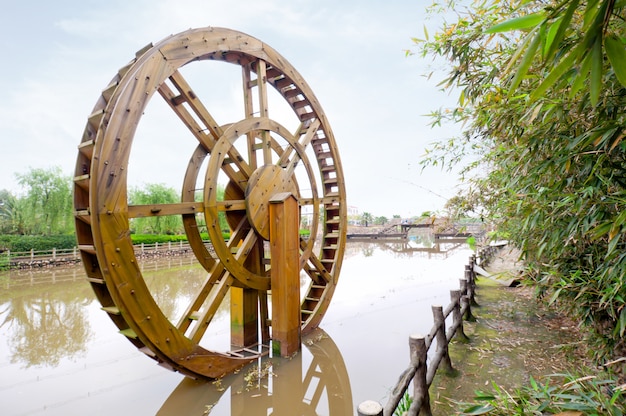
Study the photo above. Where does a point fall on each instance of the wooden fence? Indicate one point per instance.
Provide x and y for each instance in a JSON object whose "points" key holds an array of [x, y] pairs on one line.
{"points": [[56, 257], [420, 371]]}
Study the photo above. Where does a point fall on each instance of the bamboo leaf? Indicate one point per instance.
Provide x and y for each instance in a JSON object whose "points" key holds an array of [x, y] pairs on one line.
{"points": [[518, 52], [579, 81], [563, 24], [558, 71], [554, 28], [596, 72], [616, 52], [478, 409], [527, 60], [518, 23]]}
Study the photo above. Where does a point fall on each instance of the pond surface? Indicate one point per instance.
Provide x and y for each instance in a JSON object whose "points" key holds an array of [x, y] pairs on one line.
{"points": [[61, 355]]}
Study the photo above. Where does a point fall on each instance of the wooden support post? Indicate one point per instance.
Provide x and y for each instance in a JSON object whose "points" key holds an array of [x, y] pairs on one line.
{"points": [[244, 306], [467, 306], [442, 340], [285, 276], [466, 298], [421, 398], [470, 276], [457, 319], [243, 316]]}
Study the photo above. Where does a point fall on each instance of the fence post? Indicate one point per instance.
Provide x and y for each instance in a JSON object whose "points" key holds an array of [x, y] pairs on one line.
{"points": [[421, 398], [457, 319], [470, 276], [54, 253], [465, 304], [442, 340], [32, 255]]}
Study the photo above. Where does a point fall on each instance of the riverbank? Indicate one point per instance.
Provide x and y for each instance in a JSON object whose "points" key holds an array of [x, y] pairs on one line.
{"points": [[514, 338]]}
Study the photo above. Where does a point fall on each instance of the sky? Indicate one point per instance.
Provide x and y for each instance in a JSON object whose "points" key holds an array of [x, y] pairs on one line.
{"points": [[59, 56]]}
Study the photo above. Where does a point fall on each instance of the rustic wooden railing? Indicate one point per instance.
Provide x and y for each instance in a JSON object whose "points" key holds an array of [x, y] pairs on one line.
{"points": [[43, 258], [421, 372]]}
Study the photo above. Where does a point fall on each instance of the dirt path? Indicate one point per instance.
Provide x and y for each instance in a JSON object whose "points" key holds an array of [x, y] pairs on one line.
{"points": [[513, 338]]}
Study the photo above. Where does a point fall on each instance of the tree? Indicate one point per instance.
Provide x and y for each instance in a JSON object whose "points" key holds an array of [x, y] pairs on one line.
{"points": [[155, 194], [11, 219], [541, 90], [382, 220], [366, 218], [46, 208]]}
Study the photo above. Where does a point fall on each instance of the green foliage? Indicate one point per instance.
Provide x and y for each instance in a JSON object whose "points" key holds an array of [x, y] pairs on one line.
{"points": [[18, 243], [542, 97], [46, 208], [471, 242], [156, 238], [404, 405], [590, 395], [366, 219], [11, 218], [382, 220], [154, 194]]}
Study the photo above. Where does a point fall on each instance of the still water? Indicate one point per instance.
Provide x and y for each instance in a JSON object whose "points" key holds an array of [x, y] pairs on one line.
{"points": [[61, 355]]}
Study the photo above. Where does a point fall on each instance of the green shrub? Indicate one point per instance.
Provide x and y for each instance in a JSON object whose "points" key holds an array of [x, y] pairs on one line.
{"points": [[591, 395], [18, 243]]}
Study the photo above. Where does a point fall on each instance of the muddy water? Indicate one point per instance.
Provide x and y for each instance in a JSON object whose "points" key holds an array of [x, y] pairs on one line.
{"points": [[61, 355]]}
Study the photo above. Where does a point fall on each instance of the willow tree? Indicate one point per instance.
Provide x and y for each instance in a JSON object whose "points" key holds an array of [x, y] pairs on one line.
{"points": [[46, 207], [541, 92]]}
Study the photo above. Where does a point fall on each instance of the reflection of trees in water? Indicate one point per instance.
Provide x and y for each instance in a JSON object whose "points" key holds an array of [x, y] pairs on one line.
{"points": [[367, 250], [42, 329], [174, 288], [421, 246]]}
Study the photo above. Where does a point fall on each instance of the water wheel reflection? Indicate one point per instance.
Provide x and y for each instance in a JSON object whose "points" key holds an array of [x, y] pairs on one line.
{"points": [[308, 384]]}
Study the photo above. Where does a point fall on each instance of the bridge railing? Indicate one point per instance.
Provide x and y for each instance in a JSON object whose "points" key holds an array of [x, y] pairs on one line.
{"points": [[420, 371]]}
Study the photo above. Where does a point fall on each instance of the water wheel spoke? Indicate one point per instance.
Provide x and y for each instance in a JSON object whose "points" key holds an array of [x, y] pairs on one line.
{"points": [[231, 205], [185, 95], [191, 314], [214, 301], [248, 242], [306, 134], [160, 210]]}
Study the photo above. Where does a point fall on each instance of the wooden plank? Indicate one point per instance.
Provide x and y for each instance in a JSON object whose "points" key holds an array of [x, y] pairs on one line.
{"points": [[158, 210]]}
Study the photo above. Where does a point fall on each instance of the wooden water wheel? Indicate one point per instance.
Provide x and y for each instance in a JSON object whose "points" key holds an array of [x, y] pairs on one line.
{"points": [[253, 158]]}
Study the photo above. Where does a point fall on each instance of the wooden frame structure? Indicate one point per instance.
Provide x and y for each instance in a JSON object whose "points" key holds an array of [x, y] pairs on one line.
{"points": [[259, 157]]}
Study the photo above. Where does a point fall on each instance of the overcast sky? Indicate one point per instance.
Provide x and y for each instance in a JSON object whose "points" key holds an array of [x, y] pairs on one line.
{"points": [[59, 55]]}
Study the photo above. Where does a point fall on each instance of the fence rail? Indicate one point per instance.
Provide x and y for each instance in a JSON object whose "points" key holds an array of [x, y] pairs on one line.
{"points": [[420, 371], [55, 257]]}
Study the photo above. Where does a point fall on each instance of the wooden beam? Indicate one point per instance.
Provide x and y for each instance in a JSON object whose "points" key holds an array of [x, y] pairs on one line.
{"points": [[285, 274]]}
